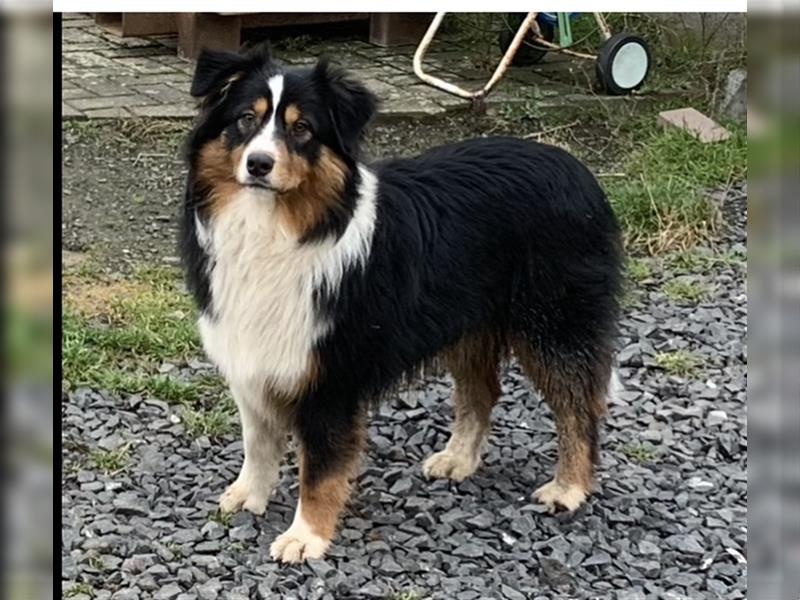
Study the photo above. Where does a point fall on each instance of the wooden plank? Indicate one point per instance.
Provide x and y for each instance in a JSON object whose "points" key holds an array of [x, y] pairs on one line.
{"points": [[207, 30], [110, 22], [281, 19], [137, 24], [398, 29]]}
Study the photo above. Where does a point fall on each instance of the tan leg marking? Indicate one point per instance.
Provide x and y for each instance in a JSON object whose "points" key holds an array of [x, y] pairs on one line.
{"points": [[318, 509], [578, 404], [473, 364]]}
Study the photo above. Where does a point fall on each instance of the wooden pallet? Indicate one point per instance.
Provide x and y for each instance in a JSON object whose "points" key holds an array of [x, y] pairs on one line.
{"points": [[137, 24], [223, 31]]}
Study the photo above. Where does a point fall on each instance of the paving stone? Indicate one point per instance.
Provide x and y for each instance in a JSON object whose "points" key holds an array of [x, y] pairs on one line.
{"points": [[695, 123], [163, 93], [110, 102], [76, 92], [176, 110], [107, 113], [68, 111]]}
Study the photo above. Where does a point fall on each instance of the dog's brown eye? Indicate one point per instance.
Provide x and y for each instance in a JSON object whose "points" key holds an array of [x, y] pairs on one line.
{"points": [[246, 121], [300, 128]]}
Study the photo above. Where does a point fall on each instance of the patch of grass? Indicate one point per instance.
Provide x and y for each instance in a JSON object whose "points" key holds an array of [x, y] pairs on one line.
{"points": [[87, 267], [111, 461], [697, 261], [166, 134], [114, 359], [406, 595], [707, 165], [680, 362], [687, 291], [639, 270], [662, 202], [95, 561], [79, 589], [223, 518], [211, 422], [524, 111], [641, 453], [175, 548], [116, 335]]}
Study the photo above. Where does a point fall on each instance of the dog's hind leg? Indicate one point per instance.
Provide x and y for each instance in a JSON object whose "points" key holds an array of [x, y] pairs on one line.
{"points": [[575, 389], [473, 364]]}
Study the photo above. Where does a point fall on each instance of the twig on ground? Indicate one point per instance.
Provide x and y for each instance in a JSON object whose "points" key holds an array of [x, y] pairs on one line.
{"points": [[539, 134]]}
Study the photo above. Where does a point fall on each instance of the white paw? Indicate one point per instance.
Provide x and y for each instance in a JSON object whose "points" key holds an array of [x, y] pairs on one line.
{"points": [[297, 544], [240, 496], [554, 495], [446, 464]]}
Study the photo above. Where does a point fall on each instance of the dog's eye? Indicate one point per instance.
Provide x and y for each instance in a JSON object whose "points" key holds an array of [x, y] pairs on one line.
{"points": [[246, 121], [301, 128]]}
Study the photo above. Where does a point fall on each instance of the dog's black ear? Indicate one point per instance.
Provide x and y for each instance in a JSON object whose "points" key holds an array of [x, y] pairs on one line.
{"points": [[352, 104], [259, 54], [214, 69]]}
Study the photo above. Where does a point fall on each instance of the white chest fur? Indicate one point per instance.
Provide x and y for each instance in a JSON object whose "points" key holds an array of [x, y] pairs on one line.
{"points": [[262, 285]]}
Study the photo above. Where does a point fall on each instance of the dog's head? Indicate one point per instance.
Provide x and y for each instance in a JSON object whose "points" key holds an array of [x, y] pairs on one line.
{"points": [[276, 130]]}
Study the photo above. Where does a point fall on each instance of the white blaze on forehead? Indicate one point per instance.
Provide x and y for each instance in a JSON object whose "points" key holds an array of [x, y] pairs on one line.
{"points": [[264, 141]]}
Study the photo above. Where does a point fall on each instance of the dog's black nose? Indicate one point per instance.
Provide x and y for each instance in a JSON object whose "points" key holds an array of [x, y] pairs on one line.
{"points": [[259, 164]]}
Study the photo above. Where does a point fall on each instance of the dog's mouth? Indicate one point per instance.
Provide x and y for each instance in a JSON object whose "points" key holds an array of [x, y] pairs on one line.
{"points": [[260, 185]]}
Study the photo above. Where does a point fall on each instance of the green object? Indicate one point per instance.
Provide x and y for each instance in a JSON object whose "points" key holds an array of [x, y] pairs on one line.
{"points": [[564, 31]]}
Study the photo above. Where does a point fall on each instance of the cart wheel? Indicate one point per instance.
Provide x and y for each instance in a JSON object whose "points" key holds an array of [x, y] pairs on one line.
{"points": [[622, 64], [528, 53]]}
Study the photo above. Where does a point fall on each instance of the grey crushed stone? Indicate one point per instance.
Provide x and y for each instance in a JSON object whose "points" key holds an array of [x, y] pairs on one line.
{"points": [[670, 526]]}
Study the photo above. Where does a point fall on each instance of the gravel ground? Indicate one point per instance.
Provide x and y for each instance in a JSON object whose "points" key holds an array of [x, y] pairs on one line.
{"points": [[671, 524], [668, 520]]}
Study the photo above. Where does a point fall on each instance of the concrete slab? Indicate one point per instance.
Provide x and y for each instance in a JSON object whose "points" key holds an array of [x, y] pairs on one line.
{"points": [[695, 123]]}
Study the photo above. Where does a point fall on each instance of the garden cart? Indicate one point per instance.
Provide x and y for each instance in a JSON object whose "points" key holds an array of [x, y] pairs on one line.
{"points": [[621, 65]]}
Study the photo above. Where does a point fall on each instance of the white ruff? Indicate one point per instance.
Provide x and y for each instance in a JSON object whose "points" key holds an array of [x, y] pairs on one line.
{"points": [[262, 287]]}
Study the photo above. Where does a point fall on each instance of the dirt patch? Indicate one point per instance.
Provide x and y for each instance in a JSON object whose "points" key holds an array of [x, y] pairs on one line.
{"points": [[97, 299], [123, 180]]}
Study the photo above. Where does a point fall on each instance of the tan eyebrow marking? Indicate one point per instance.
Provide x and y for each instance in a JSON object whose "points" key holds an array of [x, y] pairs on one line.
{"points": [[292, 114], [261, 107]]}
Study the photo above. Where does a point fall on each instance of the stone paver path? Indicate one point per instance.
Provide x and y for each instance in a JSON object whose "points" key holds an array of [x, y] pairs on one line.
{"points": [[107, 76]]}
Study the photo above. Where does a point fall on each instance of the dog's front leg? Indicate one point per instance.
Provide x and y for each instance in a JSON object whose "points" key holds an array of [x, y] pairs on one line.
{"points": [[329, 455], [264, 436]]}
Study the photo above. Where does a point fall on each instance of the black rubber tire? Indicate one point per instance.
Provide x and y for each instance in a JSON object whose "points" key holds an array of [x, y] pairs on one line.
{"points": [[606, 59], [526, 54]]}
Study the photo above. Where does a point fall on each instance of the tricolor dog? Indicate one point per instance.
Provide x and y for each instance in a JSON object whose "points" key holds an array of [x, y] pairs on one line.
{"points": [[322, 280]]}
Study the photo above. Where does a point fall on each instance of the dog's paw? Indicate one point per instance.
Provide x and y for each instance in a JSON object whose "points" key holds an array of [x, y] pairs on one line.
{"points": [[297, 544], [567, 496], [449, 465], [240, 496]]}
